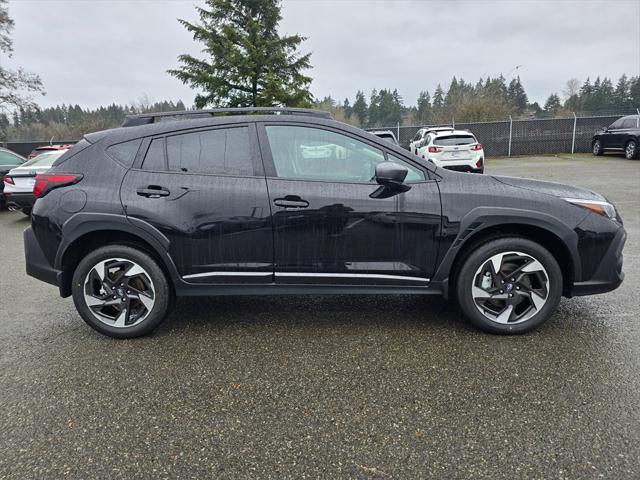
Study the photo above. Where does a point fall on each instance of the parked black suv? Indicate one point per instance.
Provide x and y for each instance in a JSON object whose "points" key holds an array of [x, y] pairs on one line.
{"points": [[623, 135], [288, 201]]}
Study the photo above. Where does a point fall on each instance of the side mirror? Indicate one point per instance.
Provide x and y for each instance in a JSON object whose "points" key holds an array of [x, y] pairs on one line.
{"points": [[390, 176]]}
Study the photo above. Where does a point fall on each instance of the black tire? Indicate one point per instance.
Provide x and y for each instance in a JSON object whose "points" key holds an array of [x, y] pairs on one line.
{"points": [[631, 150], [479, 256], [596, 148], [162, 297]]}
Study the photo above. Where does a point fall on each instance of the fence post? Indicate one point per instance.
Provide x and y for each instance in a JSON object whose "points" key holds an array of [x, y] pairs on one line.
{"points": [[510, 133], [453, 122], [573, 140], [398, 130]]}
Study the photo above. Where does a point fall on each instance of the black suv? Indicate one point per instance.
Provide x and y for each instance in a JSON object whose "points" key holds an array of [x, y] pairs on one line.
{"points": [[289, 201], [623, 135]]}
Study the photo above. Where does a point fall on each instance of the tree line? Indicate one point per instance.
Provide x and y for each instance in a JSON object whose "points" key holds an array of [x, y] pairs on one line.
{"points": [[486, 100], [246, 62]]}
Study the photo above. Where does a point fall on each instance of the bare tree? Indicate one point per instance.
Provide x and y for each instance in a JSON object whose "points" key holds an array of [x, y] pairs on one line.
{"points": [[16, 86]]}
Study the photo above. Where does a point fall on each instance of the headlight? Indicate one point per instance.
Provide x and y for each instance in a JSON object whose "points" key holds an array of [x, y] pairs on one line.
{"points": [[601, 208]]}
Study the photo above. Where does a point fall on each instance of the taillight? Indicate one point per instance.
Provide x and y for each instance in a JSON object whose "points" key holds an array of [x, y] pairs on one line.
{"points": [[433, 149], [48, 181], [477, 146], [8, 179], [479, 163]]}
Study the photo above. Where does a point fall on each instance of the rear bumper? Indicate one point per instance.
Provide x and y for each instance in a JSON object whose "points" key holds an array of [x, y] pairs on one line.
{"points": [[37, 264], [609, 275], [20, 200]]}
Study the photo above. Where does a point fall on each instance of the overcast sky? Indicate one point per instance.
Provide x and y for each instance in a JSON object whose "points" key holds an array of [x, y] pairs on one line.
{"points": [[97, 52]]}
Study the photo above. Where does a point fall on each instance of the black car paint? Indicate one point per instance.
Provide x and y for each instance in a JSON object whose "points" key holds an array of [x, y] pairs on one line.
{"points": [[406, 243], [617, 135]]}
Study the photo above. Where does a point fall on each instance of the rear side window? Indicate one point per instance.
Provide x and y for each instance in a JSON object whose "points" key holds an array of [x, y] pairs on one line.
{"points": [[125, 152], [154, 159], [451, 140], [77, 148], [630, 122], [223, 151], [10, 159]]}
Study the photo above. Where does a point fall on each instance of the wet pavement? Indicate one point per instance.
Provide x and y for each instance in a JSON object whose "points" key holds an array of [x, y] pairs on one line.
{"points": [[327, 387]]}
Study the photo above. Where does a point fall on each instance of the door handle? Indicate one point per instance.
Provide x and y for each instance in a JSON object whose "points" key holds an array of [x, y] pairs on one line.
{"points": [[153, 191], [291, 201]]}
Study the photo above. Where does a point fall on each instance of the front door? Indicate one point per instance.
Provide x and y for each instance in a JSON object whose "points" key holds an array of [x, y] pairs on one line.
{"points": [[328, 228], [205, 191]]}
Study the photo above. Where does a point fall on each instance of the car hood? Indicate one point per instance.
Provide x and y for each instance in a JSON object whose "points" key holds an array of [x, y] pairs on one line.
{"points": [[551, 188]]}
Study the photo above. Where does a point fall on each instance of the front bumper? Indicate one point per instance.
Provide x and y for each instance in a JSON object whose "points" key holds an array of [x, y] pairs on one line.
{"points": [[37, 264], [609, 275]]}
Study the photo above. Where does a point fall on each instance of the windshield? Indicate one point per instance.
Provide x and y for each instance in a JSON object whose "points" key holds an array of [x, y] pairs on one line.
{"points": [[452, 140], [45, 159]]}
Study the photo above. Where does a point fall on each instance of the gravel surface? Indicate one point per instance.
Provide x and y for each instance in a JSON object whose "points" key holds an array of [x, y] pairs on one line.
{"points": [[327, 387]]}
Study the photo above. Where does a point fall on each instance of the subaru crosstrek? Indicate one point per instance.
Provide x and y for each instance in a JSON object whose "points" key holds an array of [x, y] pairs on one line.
{"points": [[289, 201]]}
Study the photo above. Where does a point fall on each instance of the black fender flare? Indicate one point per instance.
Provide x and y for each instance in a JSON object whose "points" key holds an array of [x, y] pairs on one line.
{"points": [[83, 223], [481, 218]]}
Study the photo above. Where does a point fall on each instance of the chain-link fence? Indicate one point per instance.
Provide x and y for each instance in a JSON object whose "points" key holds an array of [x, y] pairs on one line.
{"points": [[525, 137]]}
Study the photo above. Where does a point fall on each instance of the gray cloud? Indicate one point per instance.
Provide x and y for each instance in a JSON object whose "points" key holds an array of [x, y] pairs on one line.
{"points": [[98, 52]]}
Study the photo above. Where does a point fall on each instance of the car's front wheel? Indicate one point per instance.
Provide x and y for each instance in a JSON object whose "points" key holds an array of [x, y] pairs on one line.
{"points": [[631, 150], [596, 148], [121, 291], [509, 285]]}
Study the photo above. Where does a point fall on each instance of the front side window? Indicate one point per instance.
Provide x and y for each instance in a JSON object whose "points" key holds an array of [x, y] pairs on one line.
{"points": [[616, 124], [306, 153], [413, 175], [223, 151]]}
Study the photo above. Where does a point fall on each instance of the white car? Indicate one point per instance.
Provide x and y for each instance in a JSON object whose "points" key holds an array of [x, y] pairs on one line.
{"points": [[19, 182], [453, 150], [418, 139]]}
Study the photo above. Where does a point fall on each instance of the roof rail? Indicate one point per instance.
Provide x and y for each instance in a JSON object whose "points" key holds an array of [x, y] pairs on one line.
{"points": [[147, 118]]}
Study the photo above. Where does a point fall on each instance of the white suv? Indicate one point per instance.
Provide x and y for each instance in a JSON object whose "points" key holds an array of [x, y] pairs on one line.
{"points": [[454, 150], [418, 140]]}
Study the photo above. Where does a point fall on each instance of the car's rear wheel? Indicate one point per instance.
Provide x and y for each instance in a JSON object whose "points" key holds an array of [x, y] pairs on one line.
{"points": [[631, 150], [596, 148], [509, 285], [121, 291]]}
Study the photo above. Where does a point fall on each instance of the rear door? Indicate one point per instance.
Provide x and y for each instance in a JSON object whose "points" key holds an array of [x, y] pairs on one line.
{"points": [[205, 191], [328, 229]]}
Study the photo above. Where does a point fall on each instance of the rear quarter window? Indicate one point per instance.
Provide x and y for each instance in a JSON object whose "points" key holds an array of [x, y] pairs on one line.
{"points": [[125, 152], [77, 148]]}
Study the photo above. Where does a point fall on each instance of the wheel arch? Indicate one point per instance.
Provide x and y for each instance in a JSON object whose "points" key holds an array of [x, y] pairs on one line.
{"points": [[479, 226], [84, 233]]}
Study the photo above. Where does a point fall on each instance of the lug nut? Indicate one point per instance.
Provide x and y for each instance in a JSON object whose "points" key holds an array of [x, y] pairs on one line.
{"points": [[501, 281], [513, 279], [510, 295], [501, 291], [517, 288]]}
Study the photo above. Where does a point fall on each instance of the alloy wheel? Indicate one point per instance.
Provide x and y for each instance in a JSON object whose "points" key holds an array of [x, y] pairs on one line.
{"points": [[596, 147], [119, 292], [630, 150], [510, 287]]}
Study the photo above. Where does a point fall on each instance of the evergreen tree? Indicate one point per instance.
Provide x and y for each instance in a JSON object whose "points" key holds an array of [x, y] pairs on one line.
{"points": [[361, 109], [374, 100], [249, 63], [552, 105], [517, 96], [424, 108]]}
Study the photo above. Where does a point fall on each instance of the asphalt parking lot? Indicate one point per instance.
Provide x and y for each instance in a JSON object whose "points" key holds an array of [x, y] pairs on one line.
{"points": [[327, 387]]}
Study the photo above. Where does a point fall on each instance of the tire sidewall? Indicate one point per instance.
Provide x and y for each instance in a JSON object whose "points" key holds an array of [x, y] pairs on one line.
{"points": [[161, 286], [478, 257]]}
